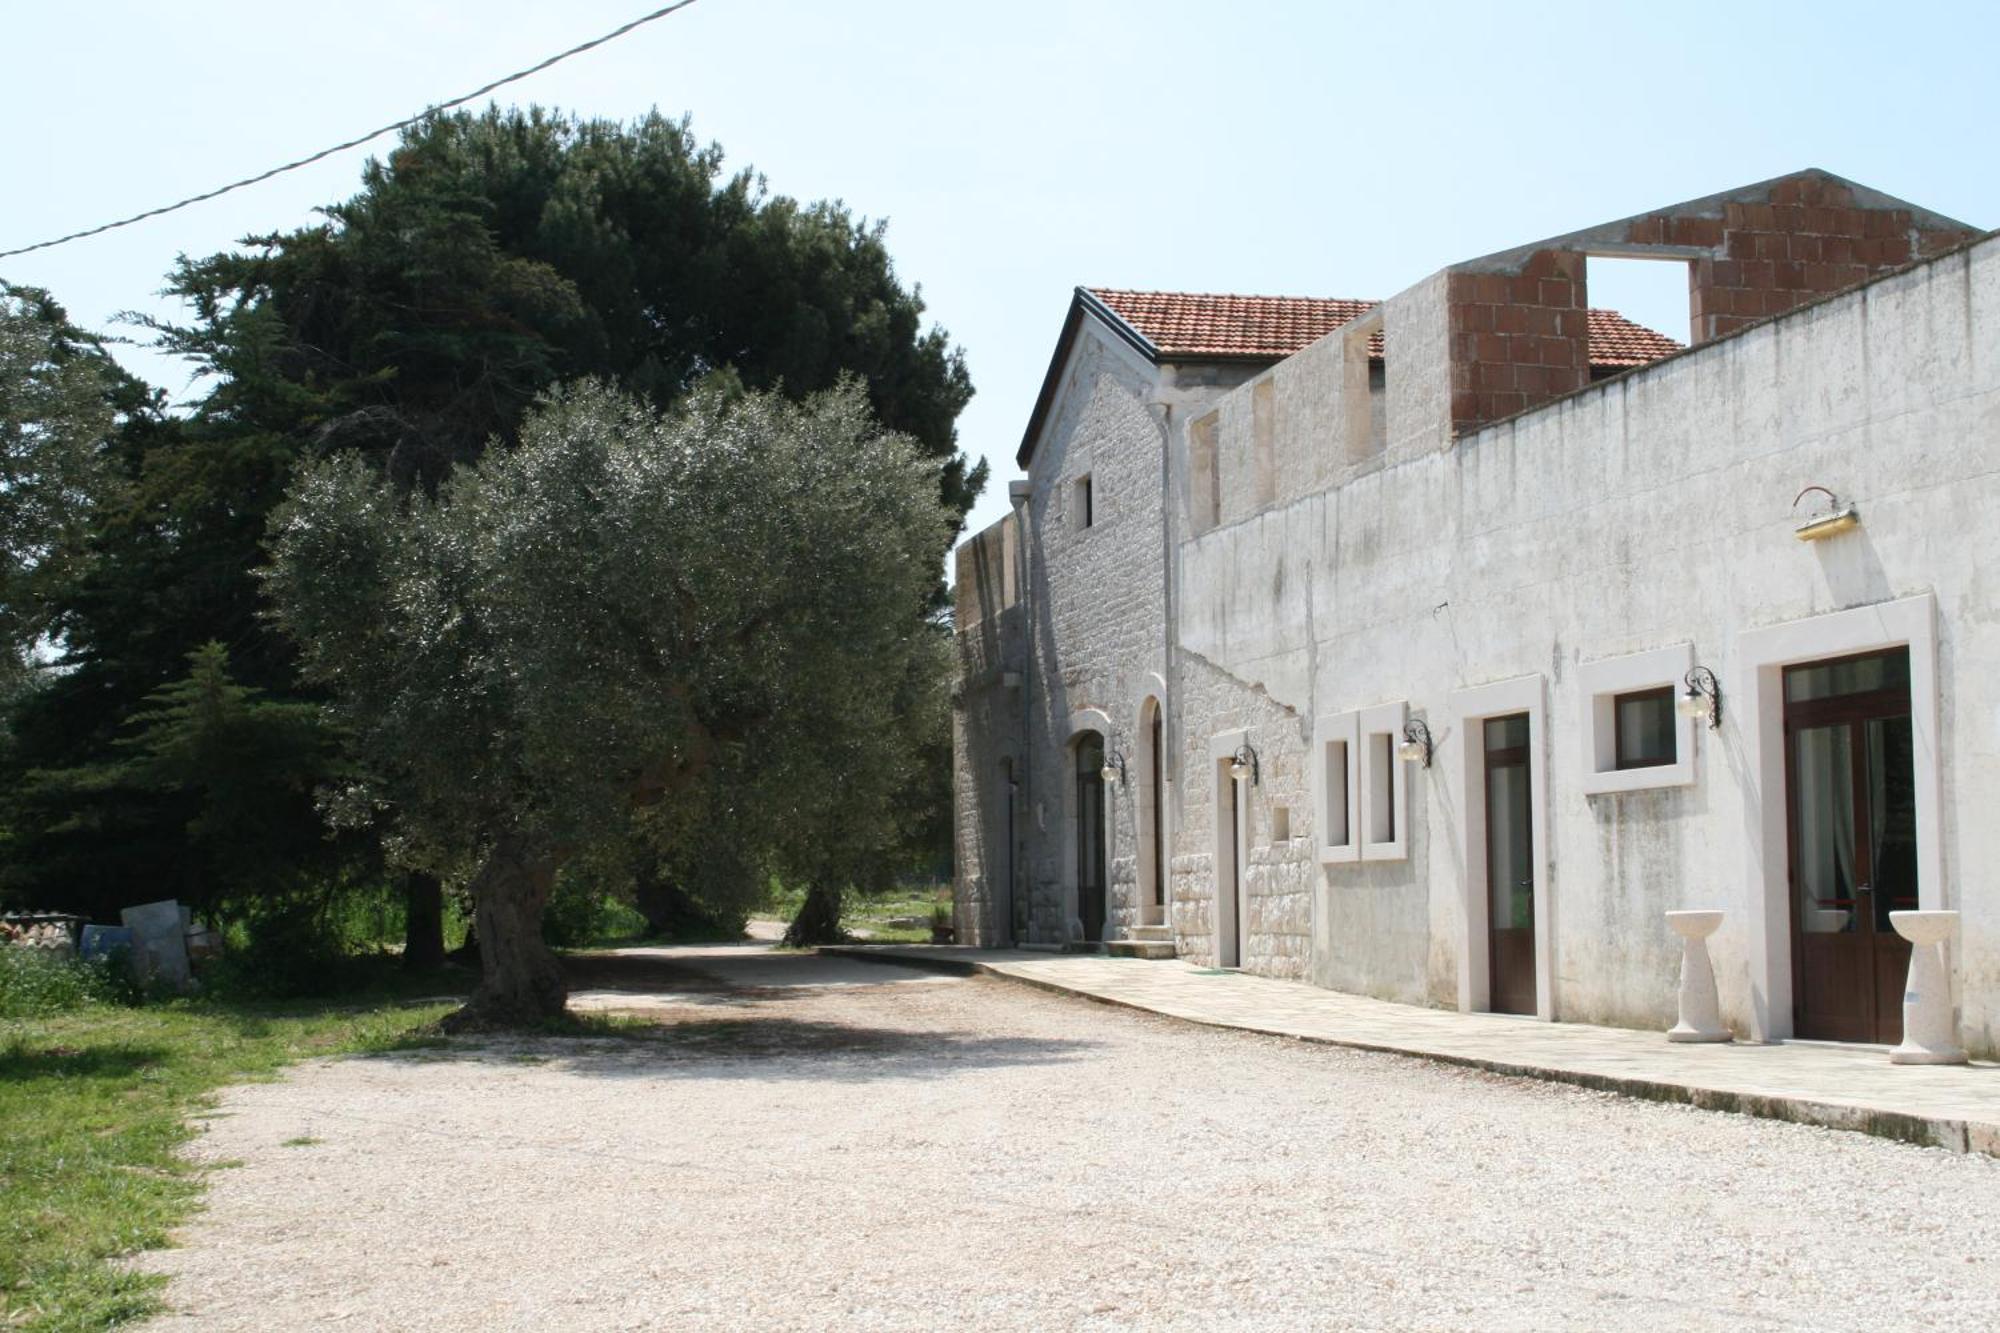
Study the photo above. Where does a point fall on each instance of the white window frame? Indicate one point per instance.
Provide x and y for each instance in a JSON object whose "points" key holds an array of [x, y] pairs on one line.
{"points": [[1376, 786], [1599, 684], [1466, 747], [1337, 729]]}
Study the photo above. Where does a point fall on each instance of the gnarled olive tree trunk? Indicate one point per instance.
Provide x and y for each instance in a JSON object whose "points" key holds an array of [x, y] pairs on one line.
{"points": [[818, 921], [521, 983]]}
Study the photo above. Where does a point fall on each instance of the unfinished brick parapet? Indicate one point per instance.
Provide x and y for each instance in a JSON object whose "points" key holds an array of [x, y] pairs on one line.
{"points": [[1810, 239], [1517, 339], [1517, 320]]}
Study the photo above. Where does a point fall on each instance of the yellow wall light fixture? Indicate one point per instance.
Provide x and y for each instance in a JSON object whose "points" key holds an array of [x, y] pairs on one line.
{"points": [[1836, 519]]}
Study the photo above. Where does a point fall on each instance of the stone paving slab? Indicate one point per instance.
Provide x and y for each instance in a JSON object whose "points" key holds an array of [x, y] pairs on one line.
{"points": [[1839, 1086]]}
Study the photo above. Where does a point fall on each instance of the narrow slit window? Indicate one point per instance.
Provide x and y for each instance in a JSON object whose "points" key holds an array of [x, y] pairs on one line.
{"points": [[1085, 503], [1335, 815], [1382, 787]]}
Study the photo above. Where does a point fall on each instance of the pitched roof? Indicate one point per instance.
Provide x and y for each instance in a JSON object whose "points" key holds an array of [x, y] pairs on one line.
{"points": [[1200, 325], [1616, 342], [1197, 324]]}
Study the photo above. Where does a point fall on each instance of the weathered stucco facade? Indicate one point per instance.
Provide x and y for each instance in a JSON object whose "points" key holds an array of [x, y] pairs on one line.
{"points": [[1445, 509]]}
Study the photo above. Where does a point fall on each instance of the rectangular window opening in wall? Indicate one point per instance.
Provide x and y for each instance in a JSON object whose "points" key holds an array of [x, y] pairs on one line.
{"points": [[1263, 440], [1364, 390], [1281, 825], [1634, 736], [1378, 403], [1381, 788], [1384, 784], [1643, 728], [1204, 475], [1082, 503], [1655, 293], [1336, 788]]}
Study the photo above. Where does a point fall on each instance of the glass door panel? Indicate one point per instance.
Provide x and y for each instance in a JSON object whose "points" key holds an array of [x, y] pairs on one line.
{"points": [[1510, 866]]}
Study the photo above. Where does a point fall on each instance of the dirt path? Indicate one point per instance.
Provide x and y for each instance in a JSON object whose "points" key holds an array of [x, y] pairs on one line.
{"points": [[814, 1143]]}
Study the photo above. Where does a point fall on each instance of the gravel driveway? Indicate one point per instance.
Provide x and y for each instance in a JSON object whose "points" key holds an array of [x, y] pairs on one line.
{"points": [[816, 1143]]}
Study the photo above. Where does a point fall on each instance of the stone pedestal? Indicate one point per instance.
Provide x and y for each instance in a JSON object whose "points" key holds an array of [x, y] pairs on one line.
{"points": [[1701, 1013], [1930, 1019]]}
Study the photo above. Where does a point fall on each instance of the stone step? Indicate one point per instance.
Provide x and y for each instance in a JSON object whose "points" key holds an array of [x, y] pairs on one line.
{"points": [[1152, 933], [1141, 948]]}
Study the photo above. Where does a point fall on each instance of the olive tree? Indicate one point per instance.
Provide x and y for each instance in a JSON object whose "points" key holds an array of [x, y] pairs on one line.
{"points": [[602, 617]]}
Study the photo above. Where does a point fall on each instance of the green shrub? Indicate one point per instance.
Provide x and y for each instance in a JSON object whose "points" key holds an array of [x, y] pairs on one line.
{"points": [[37, 982]]}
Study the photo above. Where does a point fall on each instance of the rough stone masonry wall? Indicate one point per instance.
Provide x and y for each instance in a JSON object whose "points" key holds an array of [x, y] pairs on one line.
{"points": [[986, 726], [1279, 872], [1096, 599]]}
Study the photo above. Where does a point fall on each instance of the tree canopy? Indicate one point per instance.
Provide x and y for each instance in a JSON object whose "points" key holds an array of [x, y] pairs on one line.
{"points": [[606, 616], [58, 409], [484, 261]]}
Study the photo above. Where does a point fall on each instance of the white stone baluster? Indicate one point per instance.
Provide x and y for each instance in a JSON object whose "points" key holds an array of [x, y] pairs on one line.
{"points": [[1930, 1019], [1701, 1013]]}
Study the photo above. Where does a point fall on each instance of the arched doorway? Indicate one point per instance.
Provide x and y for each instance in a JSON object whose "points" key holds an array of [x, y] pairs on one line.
{"points": [[1091, 880]]}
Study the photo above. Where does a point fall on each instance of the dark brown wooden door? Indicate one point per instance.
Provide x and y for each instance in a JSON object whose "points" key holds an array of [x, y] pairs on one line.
{"points": [[1850, 794], [1090, 876], [1510, 866]]}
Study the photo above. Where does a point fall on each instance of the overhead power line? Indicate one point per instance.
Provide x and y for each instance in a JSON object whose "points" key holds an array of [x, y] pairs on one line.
{"points": [[358, 140]]}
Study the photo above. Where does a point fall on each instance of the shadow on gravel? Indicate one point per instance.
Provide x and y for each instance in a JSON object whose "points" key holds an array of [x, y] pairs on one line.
{"points": [[763, 1047], [753, 974]]}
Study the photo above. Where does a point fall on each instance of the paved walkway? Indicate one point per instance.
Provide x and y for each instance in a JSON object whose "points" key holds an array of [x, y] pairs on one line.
{"points": [[1843, 1087]]}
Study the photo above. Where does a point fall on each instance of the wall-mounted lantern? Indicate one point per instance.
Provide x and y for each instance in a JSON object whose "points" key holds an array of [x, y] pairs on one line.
{"points": [[1113, 771], [1417, 746], [1703, 697], [1837, 518], [1243, 764]]}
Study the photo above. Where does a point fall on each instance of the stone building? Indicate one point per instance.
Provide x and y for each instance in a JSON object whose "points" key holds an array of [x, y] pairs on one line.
{"points": [[1433, 648]]}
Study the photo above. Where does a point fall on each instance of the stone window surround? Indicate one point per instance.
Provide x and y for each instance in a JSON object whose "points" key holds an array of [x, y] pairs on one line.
{"points": [[1337, 729], [1086, 719], [1602, 681], [1757, 714], [1140, 781], [1466, 768], [1228, 913], [1364, 776]]}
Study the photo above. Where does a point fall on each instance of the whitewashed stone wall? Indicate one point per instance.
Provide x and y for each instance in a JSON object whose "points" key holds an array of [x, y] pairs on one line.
{"points": [[1653, 510]]}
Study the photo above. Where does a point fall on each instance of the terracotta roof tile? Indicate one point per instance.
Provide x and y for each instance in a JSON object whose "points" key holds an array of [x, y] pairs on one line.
{"points": [[1617, 341], [1197, 324]]}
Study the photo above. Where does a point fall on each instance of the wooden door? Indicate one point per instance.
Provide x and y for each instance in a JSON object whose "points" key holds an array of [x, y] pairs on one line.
{"points": [[1850, 796], [1090, 877], [1510, 866]]}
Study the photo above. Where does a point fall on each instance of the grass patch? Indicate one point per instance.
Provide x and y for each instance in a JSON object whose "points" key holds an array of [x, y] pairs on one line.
{"points": [[302, 1141], [94, 1104], [900, 914]]}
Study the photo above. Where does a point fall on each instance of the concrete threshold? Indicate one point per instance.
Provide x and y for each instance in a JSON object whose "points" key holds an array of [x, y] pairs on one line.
{"points": [[1811, 1083]]}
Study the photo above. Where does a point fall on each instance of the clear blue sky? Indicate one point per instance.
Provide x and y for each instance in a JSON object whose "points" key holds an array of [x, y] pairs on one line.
{"points": [[1019, 150]]}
